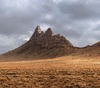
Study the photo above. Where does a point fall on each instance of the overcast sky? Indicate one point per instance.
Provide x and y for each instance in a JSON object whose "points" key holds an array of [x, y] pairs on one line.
{"points": [[77, 20]]}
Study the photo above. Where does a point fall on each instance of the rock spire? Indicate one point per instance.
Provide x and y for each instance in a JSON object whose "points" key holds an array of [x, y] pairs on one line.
{"points": [[48, 39]]}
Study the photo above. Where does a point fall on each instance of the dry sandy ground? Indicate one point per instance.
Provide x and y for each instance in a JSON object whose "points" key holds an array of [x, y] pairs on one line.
{"points": [[62, 72]]}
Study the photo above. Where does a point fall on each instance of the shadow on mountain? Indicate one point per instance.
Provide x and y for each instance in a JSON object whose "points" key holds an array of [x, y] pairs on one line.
{"points": [[47, 45]]}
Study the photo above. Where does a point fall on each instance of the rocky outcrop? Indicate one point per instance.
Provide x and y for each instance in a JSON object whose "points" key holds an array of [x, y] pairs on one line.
{"points": [[48, 32], [49, 40], [43, 45], [48, 45], [36, 33]]}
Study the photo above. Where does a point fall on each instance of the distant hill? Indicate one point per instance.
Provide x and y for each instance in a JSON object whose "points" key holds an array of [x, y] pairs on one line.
{"points": [[93, 50]]}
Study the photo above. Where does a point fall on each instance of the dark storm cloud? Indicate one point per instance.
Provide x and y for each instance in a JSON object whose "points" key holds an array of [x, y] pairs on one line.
{"points": [[78, 20], [76, 10], [17, 16], [81, 10]]}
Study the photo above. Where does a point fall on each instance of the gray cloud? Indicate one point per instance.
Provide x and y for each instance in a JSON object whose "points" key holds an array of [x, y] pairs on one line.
{"points": [[77, 20], [81, 10]]}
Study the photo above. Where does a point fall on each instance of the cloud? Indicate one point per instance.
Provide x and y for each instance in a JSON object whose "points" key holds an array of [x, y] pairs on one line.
{"points": [[81, 10], [77, 20], [11, 42]]}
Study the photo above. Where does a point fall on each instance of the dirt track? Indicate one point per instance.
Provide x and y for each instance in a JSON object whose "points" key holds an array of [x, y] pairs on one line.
{"points": [[64, 72]]}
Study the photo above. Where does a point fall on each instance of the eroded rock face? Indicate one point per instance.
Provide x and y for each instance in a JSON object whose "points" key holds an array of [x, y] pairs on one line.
{"points": [[36, 33], [49, 40], [48, 32]]}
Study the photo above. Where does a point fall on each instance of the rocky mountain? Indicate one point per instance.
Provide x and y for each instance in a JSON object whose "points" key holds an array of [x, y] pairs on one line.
{"points": [[44, 44], [48, 45], [49, 40]]}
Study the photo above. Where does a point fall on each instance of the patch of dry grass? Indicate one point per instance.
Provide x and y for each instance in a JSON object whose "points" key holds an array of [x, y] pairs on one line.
{"points": [[62, 72]]}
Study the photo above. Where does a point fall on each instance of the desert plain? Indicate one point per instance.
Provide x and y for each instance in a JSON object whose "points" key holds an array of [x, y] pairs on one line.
{"points": [[60, 72]]}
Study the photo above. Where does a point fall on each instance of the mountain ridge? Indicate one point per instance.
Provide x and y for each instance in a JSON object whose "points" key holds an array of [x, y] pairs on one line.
{"points": [[43, 44], [48, 45]]}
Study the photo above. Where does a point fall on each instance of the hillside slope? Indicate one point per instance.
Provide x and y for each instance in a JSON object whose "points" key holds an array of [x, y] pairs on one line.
{"points": [[43, 45], [47, 45]]}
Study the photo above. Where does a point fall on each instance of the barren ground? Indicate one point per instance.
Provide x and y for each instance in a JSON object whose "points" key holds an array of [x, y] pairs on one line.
{"points": [[62, 72]]}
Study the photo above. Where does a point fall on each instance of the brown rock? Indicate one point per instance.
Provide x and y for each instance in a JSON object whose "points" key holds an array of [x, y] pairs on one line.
{"points": [[37, 33], [44, 44], [48, 39], [49, 32]]}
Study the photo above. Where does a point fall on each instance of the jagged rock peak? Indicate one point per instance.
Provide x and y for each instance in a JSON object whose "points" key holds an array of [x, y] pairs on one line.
{"points": [[37, 30], [36, 33], [48, 39], [49, 32]]}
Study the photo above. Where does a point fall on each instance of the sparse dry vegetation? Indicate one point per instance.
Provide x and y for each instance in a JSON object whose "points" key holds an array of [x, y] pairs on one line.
{"points": [[62, 72]]}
